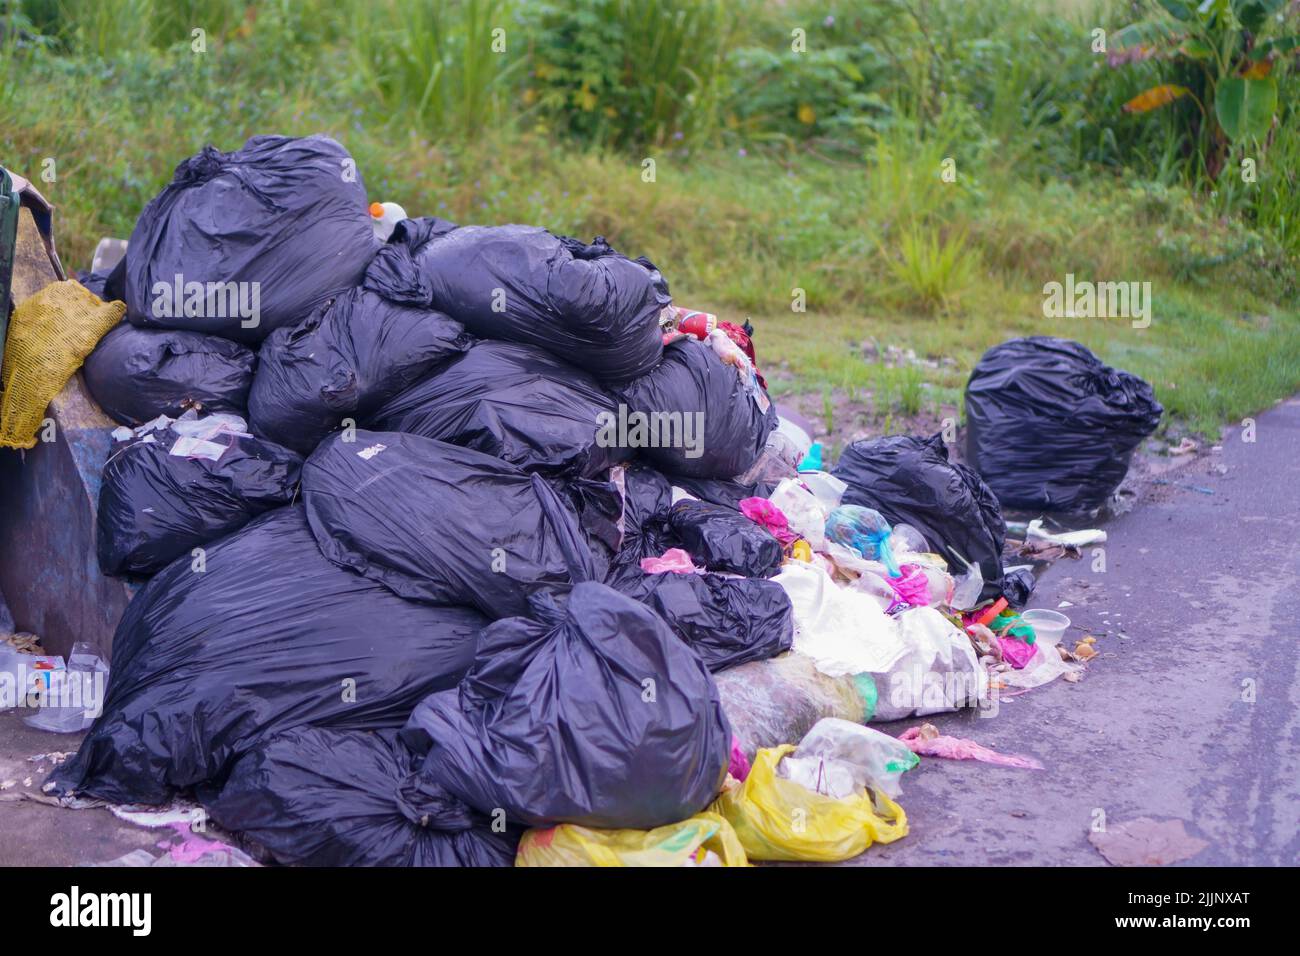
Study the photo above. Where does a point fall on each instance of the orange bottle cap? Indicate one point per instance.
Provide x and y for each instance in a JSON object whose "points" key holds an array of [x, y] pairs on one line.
{"points": [[377, 210]]}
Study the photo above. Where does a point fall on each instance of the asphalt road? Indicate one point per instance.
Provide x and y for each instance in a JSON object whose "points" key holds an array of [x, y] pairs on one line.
{"points": [[1198, 605]]}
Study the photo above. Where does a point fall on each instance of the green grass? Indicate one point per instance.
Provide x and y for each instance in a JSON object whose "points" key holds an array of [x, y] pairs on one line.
{"points": [[752, 207]]}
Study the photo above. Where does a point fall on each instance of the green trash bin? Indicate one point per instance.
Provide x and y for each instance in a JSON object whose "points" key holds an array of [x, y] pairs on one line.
{"points": [[9, 203]]}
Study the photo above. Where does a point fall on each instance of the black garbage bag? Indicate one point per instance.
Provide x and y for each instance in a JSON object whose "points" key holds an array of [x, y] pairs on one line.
{"points": [[697, 417], [585, 303], [516, 402], [1017, 585], [725, 620], [314, 796], [594, 714], [439, 523], [258, 237], [909, 480], [1051, 427], [155, 506], [268, 637], [646, 496], [343, 361], [723, 539], [108, 284], [724, 492], [138, 374]]}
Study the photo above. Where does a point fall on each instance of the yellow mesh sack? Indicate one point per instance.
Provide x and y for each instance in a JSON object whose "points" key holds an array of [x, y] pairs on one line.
{"points": [[49, 337], [673, 845], [778, 819]]}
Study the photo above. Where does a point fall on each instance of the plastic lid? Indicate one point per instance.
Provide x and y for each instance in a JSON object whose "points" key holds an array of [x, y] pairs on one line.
{"points": [[377, 210]]}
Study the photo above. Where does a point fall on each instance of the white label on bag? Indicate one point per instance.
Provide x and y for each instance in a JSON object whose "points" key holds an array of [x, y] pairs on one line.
{"points": [[187, 447], [371, 452]]}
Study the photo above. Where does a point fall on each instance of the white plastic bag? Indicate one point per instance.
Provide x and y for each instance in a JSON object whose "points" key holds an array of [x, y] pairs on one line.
{"points": [[937, 673], [844, 631], [802, 511]]}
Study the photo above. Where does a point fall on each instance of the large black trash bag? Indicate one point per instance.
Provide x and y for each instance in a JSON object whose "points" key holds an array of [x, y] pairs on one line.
{"points": [[314, 796], [593, 714], [726, 620], [646, 496], [1051, 427], [155, 506], [138, 374], [516, 402], [266, 636], [909, 480], [439, 523], [689, 388], [585, 303], [724, 492], [344, 361], [284, 219], [108, 284], [723, 539]]}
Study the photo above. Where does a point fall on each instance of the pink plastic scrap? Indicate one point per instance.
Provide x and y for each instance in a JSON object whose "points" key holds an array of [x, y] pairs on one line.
{"points": [[763, 512], [739, 765], [959, 748], [911, 585], [1015, 651], [674, 560]]}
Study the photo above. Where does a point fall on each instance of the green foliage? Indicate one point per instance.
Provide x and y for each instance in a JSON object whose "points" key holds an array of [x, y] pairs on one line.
{"points": [[1221, 53], [434, 65], [626, 72], [846, 202], [934, 271]]}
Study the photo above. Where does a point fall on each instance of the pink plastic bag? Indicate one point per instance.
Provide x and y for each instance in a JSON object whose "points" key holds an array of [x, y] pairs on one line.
{"points": [[912, 585], [674, 560], [739, 765], [763, 512], [1015, 651], [959, 748]]}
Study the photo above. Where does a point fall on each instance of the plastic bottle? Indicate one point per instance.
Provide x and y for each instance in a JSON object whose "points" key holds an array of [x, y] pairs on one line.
{"points": [[69, 708], [384, 217]]}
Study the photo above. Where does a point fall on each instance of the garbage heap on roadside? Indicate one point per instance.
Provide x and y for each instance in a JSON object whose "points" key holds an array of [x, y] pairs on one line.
{"points": [[464, 545]]}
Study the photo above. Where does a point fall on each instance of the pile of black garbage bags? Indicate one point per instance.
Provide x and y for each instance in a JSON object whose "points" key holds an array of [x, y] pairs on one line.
{"points": [[390, 605]]}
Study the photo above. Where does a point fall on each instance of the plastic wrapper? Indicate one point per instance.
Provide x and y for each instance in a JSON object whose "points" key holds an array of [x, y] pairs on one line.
{"points": [[839, 759]]}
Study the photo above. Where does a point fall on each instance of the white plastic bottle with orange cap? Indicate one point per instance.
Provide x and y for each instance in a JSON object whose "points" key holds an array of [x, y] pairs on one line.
{"points": [[384, 217]]}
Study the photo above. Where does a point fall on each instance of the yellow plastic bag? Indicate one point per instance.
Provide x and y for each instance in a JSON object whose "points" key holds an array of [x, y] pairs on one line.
{"points": [[777, 819], [571, 845], [51, 334]]}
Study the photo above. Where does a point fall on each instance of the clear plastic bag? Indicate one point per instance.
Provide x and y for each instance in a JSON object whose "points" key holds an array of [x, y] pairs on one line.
{"points": [[838, 758]]}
